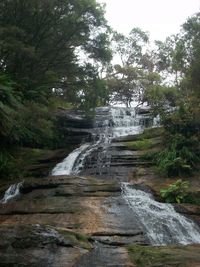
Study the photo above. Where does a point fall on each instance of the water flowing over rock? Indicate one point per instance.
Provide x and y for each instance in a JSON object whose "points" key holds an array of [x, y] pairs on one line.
{"points": [[86, 213], [12, 192], [95, 158], [66, 166], [160, 221], [162, 224]]}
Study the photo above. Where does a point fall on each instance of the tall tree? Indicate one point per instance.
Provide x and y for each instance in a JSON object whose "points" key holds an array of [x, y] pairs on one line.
{"points": [[135, 72], [40, 38], [191, 40]]}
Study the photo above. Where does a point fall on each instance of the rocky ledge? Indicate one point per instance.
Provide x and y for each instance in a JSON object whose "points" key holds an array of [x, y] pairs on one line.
{"points": [[65, 221], [68, 221]]}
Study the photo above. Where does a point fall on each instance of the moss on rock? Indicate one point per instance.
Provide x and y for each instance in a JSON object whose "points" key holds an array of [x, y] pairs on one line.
{"points": [[176, 256], [77, 239], [139, 145]]}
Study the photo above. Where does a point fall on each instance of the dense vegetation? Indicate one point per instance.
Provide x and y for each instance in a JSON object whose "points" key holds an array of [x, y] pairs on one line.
{"points": [[58, 53], [182, 127], [40, 68]]}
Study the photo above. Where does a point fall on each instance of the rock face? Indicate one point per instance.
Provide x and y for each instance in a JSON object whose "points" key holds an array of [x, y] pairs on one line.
{"points": [[183, 256], [75, 126], [88, 224], [83, 221], [35, 245]]}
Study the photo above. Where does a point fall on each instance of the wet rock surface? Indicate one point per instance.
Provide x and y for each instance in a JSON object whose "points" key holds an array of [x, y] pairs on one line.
{"points": [[33, 228], [104, 255], [169, 256], [71, 221], [66, 221], [76, 127], [36, 245]]}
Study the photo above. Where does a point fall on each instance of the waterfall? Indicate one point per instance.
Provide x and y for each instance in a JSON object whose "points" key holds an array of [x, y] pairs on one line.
{"points": [[65, 167], [109, 122], [126, 121], [12, 192], [162, 224]]}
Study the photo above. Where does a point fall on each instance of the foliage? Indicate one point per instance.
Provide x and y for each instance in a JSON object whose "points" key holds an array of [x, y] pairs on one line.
{"points": [[128, 79], [160, 98], [5, 159], [181, 153], [9, 104], [192, 198], [152, 132], [40, 46], [35, 126], [41, 42], [175, 192], [191, 40], [169, 57], [57, 53]]}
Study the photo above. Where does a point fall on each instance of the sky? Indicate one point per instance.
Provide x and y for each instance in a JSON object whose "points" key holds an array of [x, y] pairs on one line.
{"points": [[160, 18]]}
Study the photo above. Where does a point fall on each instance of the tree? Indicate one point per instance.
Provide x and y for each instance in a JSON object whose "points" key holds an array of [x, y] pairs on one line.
{"points": [[191, 40], [125, 78], [9, 104], [182, 126], [135, 73], [39, 40]]}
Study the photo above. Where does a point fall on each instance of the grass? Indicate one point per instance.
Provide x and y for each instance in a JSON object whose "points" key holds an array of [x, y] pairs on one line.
{"points": [[152, 133], [77, 239], [139, 145], [147, 140]]}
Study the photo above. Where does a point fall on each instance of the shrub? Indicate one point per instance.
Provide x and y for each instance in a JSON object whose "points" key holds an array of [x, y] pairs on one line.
{"points": [[175, 192], [180, 155]]}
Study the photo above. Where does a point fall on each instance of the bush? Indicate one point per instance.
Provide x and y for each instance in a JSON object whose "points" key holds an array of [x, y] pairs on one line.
{"points": [[8, 166], [171, 162], [175, 192], [182, 142]]}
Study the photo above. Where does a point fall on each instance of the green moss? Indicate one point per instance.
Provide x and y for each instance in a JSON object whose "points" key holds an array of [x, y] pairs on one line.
{"points": [[21, 160], [148, 155], [152, 133], [32, 162], [77, 239], [179, 256], [139, 145]]}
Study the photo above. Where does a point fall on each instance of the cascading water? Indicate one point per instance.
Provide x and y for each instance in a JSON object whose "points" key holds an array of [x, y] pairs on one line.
{"points": [[162, 224], [126, 121], [66, 166], [12, 192], [109, 122]]}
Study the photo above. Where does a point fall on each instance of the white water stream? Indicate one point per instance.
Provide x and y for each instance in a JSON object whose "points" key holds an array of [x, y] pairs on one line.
{"points": [[162, 224], [66, 166], [110, 122], [12, 192]]}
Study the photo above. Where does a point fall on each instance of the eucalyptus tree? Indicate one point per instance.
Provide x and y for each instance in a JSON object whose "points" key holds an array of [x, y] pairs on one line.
{"points": [[135, 71]]}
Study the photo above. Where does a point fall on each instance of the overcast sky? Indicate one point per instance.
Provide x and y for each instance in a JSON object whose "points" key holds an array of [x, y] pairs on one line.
{"points": [[160, 18]]}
